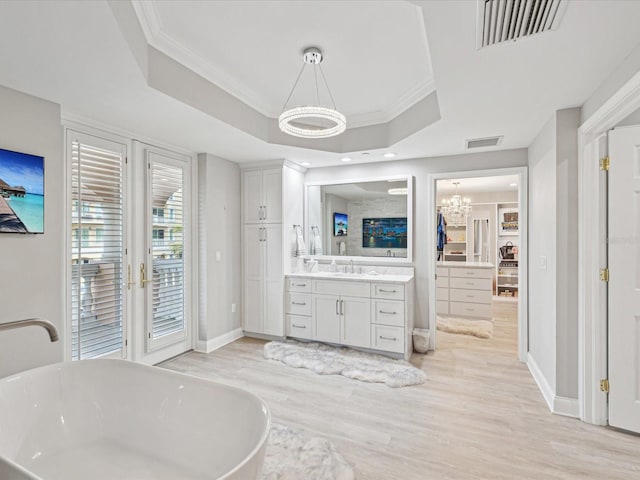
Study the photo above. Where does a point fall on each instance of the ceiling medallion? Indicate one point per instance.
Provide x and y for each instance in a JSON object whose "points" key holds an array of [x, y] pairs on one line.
{"points": [[312, 121]]}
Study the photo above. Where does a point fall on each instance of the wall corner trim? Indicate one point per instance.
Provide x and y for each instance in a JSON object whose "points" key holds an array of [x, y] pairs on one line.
{"points": [[220, 341], [543, 384], [568, 407]]}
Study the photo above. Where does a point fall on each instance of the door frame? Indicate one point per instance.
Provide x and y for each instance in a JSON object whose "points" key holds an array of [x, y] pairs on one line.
{"points": [[592, 293], [523, 306]]}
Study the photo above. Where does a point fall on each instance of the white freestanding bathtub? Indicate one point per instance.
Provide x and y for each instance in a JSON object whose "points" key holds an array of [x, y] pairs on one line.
{"points": [[117, 420]]}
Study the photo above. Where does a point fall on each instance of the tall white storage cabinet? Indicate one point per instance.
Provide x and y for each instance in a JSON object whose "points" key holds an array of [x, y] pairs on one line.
{"points": [[266, 255]]}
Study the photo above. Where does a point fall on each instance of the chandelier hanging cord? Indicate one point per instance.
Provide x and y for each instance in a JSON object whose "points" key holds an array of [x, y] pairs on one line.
{"points": [[333, 102], [293, 89]]}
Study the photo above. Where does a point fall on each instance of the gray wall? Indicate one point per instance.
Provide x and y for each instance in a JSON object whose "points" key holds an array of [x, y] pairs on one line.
{"points": [[553, 222], [334, 204], [32, 279], [421, 168], [218, 231]]}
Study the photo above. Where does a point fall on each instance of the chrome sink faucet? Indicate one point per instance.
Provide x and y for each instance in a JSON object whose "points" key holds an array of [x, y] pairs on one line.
{"points": [[351, 266], [28, 322]]}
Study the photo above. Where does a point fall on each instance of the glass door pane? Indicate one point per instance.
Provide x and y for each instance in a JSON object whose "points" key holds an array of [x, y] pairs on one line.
{"points": [[97, 246], [166, 297]]}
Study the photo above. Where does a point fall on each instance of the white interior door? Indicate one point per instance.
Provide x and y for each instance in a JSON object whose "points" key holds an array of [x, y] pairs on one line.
{"points": [[253, 285], [624, 283]]}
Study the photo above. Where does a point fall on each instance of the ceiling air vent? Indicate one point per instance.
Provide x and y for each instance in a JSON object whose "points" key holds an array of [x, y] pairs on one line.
{"points": [[484, 142], [505, 20]]}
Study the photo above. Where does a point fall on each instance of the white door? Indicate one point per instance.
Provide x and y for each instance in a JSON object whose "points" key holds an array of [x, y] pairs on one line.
{"points": [[253, 284], [164, 274], [326, 318], [98, 247], [356, 321], [624, 283], [273, 280]]}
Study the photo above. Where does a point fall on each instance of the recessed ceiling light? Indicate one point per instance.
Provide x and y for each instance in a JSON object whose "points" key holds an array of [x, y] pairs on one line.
{"points": [[389, 155], [305, 164], [365, 153], [345, 159], [513, 184], [398, 191]]}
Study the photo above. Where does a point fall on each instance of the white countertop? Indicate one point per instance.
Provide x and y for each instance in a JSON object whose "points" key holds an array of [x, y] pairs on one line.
{"points": [[386, 278], [465, 264]]}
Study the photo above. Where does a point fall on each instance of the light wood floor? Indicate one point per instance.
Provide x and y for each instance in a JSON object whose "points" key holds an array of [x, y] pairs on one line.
{"points": [[478, 416]]}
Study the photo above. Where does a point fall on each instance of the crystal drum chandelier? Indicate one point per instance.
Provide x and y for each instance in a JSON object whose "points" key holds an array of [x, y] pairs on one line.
{"points": [[456, 209], [312, 121]]}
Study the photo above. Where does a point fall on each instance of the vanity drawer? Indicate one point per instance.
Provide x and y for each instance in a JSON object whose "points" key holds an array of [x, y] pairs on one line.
{"points": [[387, 290], [472, 272], [390, 339], [442, 294], [299, 285], [478, 310], [388, 312], [298, 303], [471, 283], [299, 327], [342, 288], [470, 296], [442, 307], [442, 282], [442, 272]]}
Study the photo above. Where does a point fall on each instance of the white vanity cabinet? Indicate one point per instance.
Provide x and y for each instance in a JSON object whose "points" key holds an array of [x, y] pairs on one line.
{"points": [[367, 314], [464, 289]]}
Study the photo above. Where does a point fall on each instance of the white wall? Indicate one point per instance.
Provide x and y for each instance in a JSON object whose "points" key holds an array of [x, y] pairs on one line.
{"points": [[421, 168], [219, 231], [31, 278], [542, 252], [553, 222]]}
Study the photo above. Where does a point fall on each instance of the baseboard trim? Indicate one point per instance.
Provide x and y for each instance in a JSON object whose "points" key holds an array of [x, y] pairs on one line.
{"points": [[568, 407], [543, 384], [218, 342]]}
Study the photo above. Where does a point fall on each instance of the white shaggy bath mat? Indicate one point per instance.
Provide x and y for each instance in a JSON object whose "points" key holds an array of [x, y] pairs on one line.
{"points": [[292, 456], [463, 326], [328, 360]]}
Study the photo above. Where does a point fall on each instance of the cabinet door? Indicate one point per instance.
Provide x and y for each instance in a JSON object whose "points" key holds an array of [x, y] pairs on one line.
{"points": [[272, 195], [326, 318], [252, 196], [273, 280], [356, 321], [253, 285]]}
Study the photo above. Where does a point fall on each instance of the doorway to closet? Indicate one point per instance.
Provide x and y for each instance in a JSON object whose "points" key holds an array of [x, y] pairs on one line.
{"points": [[479, 260]]}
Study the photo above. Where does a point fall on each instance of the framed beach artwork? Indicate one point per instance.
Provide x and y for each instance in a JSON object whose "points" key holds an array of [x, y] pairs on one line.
{"points": [[21, 192], [507, 221]]}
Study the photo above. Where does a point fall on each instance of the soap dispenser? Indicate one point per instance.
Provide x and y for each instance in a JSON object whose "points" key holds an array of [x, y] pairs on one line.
{"points": [[333, 267]]}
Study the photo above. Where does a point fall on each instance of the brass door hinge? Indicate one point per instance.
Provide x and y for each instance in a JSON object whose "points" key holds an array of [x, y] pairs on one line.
{"points": [[604, 385], [604, 274], [604, 163]]}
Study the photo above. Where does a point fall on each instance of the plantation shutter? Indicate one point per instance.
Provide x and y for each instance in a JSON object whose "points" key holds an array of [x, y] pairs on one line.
{"points": [[167, 255], [97, 248]]}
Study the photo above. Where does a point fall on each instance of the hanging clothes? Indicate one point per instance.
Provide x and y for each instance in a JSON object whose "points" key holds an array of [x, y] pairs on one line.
{"points": [[442, 235]]}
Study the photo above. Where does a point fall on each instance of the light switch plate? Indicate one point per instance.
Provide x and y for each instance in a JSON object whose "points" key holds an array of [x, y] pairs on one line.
{"points": [[542, 263]]}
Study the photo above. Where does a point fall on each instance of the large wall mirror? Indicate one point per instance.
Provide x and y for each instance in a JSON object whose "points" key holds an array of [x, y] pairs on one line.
{"points": [[365, 218]]}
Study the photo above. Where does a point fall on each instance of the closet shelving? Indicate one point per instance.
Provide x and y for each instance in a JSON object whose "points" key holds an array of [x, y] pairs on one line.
{"points": [[507, 281]]}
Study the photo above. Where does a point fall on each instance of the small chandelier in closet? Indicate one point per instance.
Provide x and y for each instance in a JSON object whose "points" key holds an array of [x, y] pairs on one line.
{"points": [[456, 209]]}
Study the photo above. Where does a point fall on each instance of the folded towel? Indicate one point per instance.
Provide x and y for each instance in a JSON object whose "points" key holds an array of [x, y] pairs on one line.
{"points": [[317, 245]]}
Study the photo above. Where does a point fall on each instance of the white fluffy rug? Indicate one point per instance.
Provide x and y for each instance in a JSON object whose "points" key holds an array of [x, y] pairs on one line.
{"points": [[463, 326], [328, 360], [292, 456]]}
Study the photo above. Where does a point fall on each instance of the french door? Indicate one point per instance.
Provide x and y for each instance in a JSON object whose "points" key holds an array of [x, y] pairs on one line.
{"points": [[130, 250]]}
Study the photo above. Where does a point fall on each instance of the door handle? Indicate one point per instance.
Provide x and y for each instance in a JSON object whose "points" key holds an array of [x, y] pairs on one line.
{"points": [[341, 307], [264, 212], [143, 279], [260, 216], [337, 312]]}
